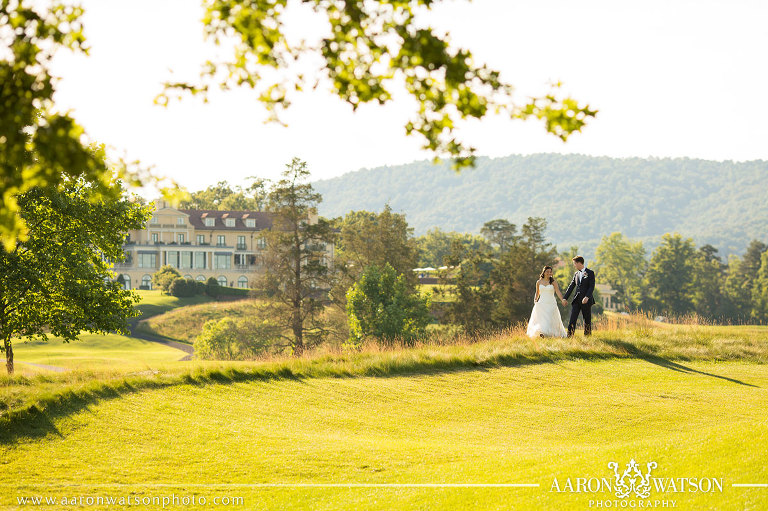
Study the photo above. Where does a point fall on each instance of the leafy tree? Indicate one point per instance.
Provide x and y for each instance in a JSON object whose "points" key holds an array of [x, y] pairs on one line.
{"points": [[296, 271], [382, 305], [58, 280], [563, 273], [235, 339], [514, 276], [500, 233], [164, 277], [742, 276], [621, 264], [372, 46], [751, 262], [367, 238], [474, 297], [436, 245], [39, 146], [225, 197], [670, 275], [760, 291], [709, 297]]}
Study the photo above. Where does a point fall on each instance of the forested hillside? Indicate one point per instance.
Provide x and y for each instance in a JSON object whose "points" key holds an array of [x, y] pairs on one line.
{"points": [[581, 197]]}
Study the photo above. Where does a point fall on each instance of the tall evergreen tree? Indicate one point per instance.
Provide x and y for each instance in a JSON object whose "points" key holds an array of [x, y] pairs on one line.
{"points": [[297, 274]]}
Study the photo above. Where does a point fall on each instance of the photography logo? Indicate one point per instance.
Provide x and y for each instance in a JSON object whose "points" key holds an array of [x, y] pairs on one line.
{"points": [[632, 480], [634, 485]]}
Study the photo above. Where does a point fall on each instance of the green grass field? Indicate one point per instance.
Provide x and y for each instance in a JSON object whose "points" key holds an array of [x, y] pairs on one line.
{"points": [[95, 351], [128, 419], [526, 424], [102, 351], [186, 323], [154, 302]]}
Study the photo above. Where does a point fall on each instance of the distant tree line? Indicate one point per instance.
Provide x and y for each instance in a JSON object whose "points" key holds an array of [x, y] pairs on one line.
{"points": [[680, 278], [485, 281]]}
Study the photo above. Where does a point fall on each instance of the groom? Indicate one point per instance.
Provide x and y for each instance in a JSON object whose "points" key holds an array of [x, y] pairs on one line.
{"points": [[584, 284]]}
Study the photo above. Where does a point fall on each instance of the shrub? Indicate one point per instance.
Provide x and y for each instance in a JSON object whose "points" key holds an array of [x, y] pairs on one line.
{"points": [[212, 287], [183, 288], [382, 306], [164, 277], [236, 339]]}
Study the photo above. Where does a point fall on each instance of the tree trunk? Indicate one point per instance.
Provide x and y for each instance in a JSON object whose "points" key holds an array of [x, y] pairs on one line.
{"points": [[8, 354], [296, 323]]}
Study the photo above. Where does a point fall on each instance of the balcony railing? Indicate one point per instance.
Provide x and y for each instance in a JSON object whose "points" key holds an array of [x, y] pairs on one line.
{"points": [[241, 247]]}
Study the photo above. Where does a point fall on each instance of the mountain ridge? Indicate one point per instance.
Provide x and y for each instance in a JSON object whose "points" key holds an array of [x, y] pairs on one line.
{"points": [[582, 197]]}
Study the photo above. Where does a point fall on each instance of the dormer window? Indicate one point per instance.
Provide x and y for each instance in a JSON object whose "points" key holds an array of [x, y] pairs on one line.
{"points": [[250, 222], [209, 222], [229, 222]]}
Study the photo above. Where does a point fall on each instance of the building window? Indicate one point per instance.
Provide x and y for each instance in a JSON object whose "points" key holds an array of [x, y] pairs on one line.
{"points": [[147, 260], [201, 239], [210, 222], [242, 282], [220, 240], [180, 238], [250, 222], [188, 277], [222, 280], [180, 220], [155, 220], [172, 258], [229, 222], [261, 243], [146, 282], [186, 260], [241, 242], [199, 259], [126, 281], [200, 278], [222, 261], [155, 237]]}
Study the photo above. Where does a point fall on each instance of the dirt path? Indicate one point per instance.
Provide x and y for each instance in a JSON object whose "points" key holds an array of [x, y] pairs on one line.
{"points": [[44, 366], [186, 348]]}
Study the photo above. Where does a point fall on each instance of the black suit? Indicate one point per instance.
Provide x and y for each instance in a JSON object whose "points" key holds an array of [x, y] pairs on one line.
{"points": [[584, 288]]}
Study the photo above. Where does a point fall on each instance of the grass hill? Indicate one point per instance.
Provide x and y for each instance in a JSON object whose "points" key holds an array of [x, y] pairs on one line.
{"points": [[502, 409], [185, 323], [491, 412], [582, 197]]}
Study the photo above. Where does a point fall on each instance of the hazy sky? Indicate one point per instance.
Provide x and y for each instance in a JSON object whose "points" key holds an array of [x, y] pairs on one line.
{"points": [[670, 78]]}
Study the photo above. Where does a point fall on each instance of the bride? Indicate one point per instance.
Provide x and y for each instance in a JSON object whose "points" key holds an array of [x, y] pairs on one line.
{"points": [[545, 318]]}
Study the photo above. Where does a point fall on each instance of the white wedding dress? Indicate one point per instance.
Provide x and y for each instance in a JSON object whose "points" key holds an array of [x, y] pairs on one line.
{"points": [[545, 317]]}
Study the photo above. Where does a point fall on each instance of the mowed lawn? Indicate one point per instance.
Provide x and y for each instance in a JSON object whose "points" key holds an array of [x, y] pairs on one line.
{"points": [[523, 424], [94, 351], [99, 351]]}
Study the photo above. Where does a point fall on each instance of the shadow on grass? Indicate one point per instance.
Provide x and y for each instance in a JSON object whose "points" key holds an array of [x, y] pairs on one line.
{"points": [[37, 420], [638, 353]]}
